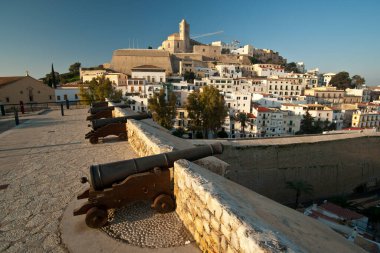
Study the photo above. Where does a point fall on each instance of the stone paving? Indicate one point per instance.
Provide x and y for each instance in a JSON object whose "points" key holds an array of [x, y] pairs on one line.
{"points": [[41, 161]]}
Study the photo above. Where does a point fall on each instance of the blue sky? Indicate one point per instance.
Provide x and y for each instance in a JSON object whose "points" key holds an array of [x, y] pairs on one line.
{"points": [[333, 35]]}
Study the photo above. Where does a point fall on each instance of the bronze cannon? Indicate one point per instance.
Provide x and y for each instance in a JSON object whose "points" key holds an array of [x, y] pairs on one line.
{"points": [[103, 112], [112, 126], [113, 185], [99, 104]]}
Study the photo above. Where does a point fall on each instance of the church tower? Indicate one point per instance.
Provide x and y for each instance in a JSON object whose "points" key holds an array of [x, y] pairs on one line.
{"points": [[184, 34]]}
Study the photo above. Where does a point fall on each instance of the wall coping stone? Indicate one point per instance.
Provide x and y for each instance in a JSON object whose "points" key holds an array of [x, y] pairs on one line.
{"points": [[261, 222]]}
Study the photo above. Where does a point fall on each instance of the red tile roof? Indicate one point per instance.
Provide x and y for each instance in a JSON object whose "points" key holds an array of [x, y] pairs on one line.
{"points": [[251, 116], [263, 109], [341, 212], [9, 79], [317, 215]]}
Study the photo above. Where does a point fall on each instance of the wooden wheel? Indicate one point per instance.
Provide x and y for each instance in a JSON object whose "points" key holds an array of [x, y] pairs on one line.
{"points": [[94, 139], [163, 203], [96, 217], [123, 136]]}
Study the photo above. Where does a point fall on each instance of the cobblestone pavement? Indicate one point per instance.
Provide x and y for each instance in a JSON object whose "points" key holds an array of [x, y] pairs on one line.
{"points": [[41, 161]]}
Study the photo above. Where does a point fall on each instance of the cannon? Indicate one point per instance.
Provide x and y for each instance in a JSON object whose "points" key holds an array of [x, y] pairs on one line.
{"points": [[117, 184], [99, 104], [103, 112], [100, 115], [111, 126]]}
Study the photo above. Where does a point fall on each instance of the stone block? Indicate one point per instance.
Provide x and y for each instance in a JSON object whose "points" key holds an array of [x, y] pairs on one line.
{"points": [[231, 250], [215, 225], [206, 214], [223, 243], [198, 225], [215, 238], [215, 207], [225, 231], [234, 242], [206, 227]]}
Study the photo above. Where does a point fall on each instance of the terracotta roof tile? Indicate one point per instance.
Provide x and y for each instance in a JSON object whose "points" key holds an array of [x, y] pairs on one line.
{"points": [[341, 212], [9, 79]]}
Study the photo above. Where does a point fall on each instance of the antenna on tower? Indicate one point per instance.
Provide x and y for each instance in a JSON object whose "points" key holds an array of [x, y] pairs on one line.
{"points": [[129, 42], [133, 42]]}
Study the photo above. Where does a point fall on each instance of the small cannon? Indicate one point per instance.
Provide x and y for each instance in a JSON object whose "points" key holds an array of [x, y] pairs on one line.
{"points": [[99, 104], [111, 126], [116, 184], [102, 112]]}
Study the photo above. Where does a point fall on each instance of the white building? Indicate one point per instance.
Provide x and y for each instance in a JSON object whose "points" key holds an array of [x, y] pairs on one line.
{"points": [[152, 74], [226, 46], [69, 91], [269, 121], [269, 70], [229, 71], [365, 93], [245, 50], [87, 74], [327, 78]]}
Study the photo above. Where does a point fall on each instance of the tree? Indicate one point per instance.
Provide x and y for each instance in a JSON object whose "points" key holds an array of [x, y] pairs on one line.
{"points": [[98, 89], [222, 134], [163, 111], [357, 81], [300, 187], [206, 109], [342, 80], [242, 118], [150, 47], [74, 68], [254, 60], [189, 76], [226, 51], [291, 67], [179, 132], [307, 124]]}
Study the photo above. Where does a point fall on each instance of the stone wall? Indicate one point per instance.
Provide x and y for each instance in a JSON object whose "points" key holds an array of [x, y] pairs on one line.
{"points": [[223, 216], [332, 164]]}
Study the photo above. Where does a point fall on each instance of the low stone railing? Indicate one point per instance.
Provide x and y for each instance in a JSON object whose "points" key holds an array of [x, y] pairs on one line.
{"points": [[224, 216]]}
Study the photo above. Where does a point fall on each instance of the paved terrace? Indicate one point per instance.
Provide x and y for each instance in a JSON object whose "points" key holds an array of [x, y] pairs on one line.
{"points": [[41, 162]]}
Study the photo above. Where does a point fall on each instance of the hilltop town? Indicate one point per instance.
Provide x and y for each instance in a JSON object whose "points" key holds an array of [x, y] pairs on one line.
{"points": [[274, 96]]}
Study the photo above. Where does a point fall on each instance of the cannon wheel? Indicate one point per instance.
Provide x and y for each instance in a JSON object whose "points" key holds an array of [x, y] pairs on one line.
{"points": [[94, 139], [163, 203], [122, 136], [96, 217]]}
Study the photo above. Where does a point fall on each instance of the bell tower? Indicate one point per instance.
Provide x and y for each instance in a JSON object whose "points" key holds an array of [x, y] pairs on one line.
{"points": [[184, 34]]}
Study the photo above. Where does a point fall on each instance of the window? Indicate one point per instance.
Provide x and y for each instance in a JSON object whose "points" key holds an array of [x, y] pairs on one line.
{"points": [[7, 99], [65, 97], [50, 97], [76, 96], [21, 92], [203, 50], [58, 98]]}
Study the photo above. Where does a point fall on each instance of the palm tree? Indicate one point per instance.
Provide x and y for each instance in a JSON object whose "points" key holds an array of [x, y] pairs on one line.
{"points": [[299, 187], [242, 118]]}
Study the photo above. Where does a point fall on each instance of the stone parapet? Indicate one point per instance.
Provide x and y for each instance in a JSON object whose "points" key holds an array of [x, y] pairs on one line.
{"points": [[226, 217]]}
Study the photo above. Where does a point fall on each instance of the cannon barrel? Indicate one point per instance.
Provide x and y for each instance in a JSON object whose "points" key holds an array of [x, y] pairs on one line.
{"points": [[94, 110], [104, 175], [98, 123], [99, 104]]}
